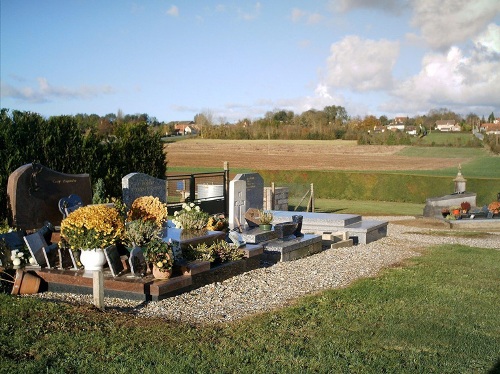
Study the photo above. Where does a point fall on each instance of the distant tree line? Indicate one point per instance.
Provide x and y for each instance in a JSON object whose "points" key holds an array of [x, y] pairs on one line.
{"points": [[107, 148], [333, 122]]}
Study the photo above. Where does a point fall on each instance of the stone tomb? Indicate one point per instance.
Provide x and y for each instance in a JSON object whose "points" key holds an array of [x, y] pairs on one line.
{"points": [[136, 185], [361, 231], [34, 192]]}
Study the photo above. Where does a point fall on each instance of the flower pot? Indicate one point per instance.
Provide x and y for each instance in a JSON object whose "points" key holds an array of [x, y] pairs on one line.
{"points": [[93, 259], [158, 274], [456, 212], [25, 283], [265, 227]]}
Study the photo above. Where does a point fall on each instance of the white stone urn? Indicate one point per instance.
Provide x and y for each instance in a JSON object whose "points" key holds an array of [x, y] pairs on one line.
{"points": [[93, 259]]}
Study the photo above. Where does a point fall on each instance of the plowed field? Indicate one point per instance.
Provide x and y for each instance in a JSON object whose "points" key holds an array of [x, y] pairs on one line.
{"points": [[297, 155]]}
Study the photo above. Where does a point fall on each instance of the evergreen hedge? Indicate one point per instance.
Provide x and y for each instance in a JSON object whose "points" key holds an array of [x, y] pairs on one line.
{"points": [[59, 143]]}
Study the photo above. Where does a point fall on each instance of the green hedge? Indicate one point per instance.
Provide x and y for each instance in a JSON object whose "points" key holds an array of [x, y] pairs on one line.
{"points": [[377, 186]]}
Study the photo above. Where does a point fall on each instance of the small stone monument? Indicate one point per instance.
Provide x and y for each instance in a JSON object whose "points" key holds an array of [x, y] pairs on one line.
{"points": [[136, 185], [460, 181]]}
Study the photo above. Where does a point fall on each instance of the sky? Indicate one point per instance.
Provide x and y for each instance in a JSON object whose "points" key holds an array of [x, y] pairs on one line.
{"points": [[233, 60]]}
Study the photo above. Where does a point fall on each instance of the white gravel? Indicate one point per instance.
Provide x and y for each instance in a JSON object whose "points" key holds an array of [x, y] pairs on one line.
{"points": [[272, 287]]}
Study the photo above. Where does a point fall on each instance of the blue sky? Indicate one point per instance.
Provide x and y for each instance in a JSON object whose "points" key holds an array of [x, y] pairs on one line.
{"points": [[240, 59]]}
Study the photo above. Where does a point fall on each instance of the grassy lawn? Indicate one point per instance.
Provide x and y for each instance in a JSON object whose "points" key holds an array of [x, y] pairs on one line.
{"points": [[437, 314], [383, 208]]}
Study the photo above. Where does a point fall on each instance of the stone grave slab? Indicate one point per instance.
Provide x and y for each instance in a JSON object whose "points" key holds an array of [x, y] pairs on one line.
{"points": [[317, 221], [254, 189], [136, 185], [256, 235], [114, 261], [281, 250]]}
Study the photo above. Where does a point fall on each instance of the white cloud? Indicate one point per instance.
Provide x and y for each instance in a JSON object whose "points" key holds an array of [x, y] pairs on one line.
{"points": [[446, 23], [361, 64], [391, 6], [173, 11], [453, 80], [46, 92]]}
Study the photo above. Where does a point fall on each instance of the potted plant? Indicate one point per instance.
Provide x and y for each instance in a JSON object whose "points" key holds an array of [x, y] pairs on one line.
{"points": [[265, 219], [445, 212], [218, 252], [190, 218], [465, 206], [91, 229], [455, 210], [159, 253], [218, 222], [494, 207]]}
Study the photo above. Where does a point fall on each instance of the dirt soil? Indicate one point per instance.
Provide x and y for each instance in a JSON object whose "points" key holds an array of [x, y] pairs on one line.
{"points": [[297, 155]]}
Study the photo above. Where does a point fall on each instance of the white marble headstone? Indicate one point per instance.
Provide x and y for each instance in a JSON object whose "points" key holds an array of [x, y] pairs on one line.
{"points": [[237, 203]]}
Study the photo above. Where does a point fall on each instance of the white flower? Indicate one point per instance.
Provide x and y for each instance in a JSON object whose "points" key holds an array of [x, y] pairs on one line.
{"points": [[176, 213], [32, 261], [188, 209], [13, 254], [16, 262], [184, 205], [20, 254], [197, 208], [191, 205]]}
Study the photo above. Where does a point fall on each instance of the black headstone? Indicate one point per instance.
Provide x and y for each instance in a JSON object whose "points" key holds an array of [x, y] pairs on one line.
{"points": [[34, 192]]}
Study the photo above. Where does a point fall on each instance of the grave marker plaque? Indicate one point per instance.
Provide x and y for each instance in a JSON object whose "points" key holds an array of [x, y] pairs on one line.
{"points": [[36, 243], [237, 203], [114, 261]]}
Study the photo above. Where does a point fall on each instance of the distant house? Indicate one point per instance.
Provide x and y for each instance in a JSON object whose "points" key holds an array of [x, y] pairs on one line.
{"points": [[396, 127], [185, 128], [411, 130], [490, 128], [447, 125], [378, 129], [400, 120]]}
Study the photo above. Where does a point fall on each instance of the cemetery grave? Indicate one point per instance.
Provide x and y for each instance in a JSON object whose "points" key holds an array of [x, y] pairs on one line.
{"points": [[127, 276]]}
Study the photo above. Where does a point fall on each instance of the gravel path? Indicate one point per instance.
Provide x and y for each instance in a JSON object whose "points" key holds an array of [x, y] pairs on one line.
{"points": [[272, 287]]}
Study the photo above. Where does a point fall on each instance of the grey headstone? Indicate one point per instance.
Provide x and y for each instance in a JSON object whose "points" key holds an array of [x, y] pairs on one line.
{"points": [[135, 185], [237, 203], [114, 261], [34, 192], [254, 189]]}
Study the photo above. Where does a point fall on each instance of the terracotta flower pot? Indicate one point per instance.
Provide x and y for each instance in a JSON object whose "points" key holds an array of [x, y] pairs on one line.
{"points": [[25, 283], [158, 274]]}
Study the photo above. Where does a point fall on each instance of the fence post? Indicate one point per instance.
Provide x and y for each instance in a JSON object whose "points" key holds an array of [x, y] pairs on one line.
{"points": [[312, 197], [272, 195], [192, 189], [98, 288], [226, 188]]}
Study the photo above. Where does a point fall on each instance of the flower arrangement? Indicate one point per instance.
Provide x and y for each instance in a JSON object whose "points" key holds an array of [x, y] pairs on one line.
{"points": [[494, 207], [159, 253], [218, 222], [266, 217], [148, 208], [219, 251], [14, 258], [465, 206], [92, 226], [190, 217]]}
